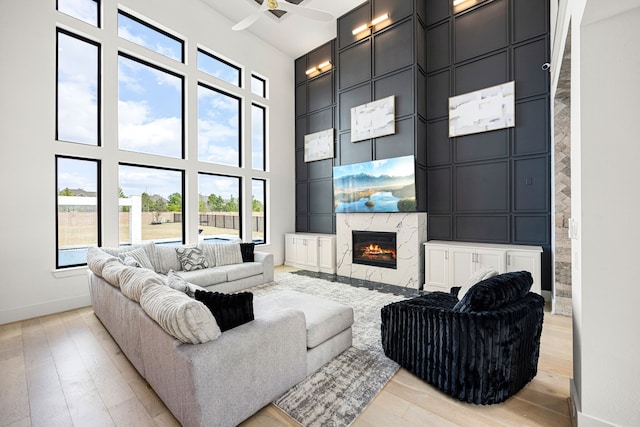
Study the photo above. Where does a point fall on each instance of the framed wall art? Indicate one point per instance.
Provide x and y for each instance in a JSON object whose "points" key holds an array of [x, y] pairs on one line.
{"points": [[483, 110], [318, 146], [374, 119]]}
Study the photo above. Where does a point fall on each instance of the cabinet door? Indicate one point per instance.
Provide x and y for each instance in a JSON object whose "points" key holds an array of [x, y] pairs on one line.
{"points": [[326, 255], [436, 268], [462, 265], [311, 251], [290, 252], [527, 261], [490, 259]]}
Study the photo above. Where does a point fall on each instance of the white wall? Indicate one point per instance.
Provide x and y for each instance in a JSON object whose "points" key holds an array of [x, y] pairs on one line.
{"points": [[30, 285], [605, 88]]}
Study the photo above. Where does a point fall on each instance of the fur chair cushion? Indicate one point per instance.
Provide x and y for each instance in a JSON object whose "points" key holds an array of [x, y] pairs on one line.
{"points": [[496, 292], [230, 310]]}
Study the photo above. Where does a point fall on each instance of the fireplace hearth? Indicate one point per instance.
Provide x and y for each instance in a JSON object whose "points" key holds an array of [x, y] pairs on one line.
{"points": [[375, 248]]}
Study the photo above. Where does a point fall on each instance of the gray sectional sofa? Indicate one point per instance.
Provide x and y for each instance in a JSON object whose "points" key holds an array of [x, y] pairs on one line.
{"points": [[207, 377]]}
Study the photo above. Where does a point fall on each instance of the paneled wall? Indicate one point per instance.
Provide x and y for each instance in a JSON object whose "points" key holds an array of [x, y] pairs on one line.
{"points": [[315, 111], [487, 187], [387, 59], [493, 186]]}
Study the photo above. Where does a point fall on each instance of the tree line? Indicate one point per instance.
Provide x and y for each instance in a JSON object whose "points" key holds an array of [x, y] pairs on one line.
{"points": [[213, 203]]}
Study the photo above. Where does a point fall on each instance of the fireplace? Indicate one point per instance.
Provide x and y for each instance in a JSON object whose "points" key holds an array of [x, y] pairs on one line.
{"points": [[374, 248]]}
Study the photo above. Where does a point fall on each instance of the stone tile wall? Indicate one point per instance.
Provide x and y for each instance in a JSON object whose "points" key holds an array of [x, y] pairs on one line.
{"points": [[562, 170]]}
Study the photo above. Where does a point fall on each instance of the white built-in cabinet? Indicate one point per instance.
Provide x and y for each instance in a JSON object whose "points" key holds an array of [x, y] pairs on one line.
{"points": [[449, 264], [313, 252]]}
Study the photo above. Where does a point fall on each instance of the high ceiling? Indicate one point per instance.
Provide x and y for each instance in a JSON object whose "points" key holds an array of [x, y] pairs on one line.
{"points": [[293, 34]]}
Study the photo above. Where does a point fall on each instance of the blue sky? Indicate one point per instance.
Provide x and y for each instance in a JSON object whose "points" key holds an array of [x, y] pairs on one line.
{"points": [[74, 173], [399, 166], [149, 107]]}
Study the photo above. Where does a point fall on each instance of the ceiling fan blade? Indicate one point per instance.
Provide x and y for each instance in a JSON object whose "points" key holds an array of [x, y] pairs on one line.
{"points": [[246, 22], [314, 14], [249, 20]]}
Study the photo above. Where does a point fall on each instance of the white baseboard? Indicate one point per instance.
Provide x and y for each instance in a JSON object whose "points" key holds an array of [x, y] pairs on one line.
{"points": [[37, 310], [578, 418]]}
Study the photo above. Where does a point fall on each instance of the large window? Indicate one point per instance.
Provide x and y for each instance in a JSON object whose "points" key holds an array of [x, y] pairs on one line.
{"points": [[143, 130], [218, 126], [150, 107], [151, 205], [136, 31], [219, 207], [219, 68], [85, 10], [259, 210], [78, 208], [258, 136], [77, 89]]}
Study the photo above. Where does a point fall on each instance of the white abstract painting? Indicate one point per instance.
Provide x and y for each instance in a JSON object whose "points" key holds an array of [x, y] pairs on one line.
{"points": [[483, 110], [374, 119], [318, 146]]}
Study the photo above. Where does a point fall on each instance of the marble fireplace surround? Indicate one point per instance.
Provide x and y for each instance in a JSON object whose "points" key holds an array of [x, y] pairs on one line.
{"points": [[411, 233]]}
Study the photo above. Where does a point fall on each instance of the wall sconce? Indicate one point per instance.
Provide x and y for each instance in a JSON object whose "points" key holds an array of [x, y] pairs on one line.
{"points": [[460, 5], [320, 68], [364, 27]]}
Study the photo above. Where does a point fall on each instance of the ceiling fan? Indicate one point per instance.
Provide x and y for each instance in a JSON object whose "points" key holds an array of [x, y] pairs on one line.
{"points": [[284, 6]]}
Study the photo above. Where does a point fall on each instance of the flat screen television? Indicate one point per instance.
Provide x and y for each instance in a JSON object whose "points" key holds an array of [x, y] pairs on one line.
{"points": [[387, 185]]}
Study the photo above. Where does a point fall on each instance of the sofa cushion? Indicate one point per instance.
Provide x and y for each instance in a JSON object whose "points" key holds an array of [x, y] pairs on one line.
{"points": [[111, 271], [184, 318], [136, 258], [179, 284], [209, 253], [167, 259], [133, 281], [230, 310], [227, 253], [246, 250], [204, 277], [191, 258], [495, 292], [241, 271], [324, 318], [149, 248], [97, 259]]}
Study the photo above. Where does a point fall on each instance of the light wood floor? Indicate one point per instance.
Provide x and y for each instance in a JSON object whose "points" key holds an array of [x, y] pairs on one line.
{"points": [[66, 370]]}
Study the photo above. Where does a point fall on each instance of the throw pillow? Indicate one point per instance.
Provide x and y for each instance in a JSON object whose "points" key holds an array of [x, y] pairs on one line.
{"points": [[191, 258], [495, 292], [180, 316], [230, 310], [476, 277], [227, 253], [208, 252], [167, 259], [246, 250], [136, 258], [179, 284]]}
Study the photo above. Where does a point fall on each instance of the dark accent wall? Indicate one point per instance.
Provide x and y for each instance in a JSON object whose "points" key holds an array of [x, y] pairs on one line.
{"points": [[315, 111], [492, 186], [488, 187], [388, 59]]}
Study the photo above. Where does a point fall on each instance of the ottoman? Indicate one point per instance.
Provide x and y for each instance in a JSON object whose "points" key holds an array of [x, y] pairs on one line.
{"points": [[328, 323]]}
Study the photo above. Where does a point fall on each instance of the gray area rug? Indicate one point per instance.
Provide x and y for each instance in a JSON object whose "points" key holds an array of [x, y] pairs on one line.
{"points": [[337, 393]]}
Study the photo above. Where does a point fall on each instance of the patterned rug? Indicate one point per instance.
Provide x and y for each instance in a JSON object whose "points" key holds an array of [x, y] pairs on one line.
{"points": [[337, 393]]}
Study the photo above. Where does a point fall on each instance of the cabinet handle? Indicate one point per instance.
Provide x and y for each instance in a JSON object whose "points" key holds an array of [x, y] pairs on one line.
{"points": [[508, 259], [446, 254]]}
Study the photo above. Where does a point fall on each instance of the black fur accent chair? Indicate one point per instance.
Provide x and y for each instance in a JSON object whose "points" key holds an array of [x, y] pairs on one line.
{"points": [[481, 349]]}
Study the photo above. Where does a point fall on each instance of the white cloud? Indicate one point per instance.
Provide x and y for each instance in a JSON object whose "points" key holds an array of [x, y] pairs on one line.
{"points": [[138, 132]]}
